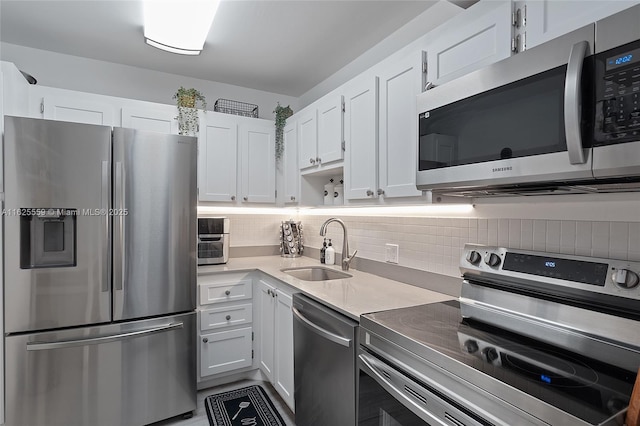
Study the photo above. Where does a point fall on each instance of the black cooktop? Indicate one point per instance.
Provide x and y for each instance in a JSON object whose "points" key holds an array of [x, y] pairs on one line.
{"points": [[584, 387]]}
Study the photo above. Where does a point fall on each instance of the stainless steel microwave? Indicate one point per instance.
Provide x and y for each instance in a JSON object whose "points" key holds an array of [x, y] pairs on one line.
{"points": [[213, 240], [560, 117]]}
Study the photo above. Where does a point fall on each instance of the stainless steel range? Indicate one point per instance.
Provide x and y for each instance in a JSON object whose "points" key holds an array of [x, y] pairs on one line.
{"points": [[534, 339]]}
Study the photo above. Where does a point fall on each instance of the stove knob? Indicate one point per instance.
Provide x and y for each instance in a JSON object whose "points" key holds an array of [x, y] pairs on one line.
{"points": [[473, 257], [625, 278], [491, 354], [492, 259], [471, 346]]}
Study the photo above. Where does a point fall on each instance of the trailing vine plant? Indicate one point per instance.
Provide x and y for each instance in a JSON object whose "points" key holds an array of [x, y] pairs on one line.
{"points": [[188, 101], [282, 113]]}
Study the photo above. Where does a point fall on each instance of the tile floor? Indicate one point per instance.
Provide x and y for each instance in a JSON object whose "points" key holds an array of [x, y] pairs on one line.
{"points": [[200, 415]]}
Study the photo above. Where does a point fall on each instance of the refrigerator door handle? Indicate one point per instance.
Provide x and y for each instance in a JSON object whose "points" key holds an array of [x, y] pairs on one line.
{"points": [[119, 272], [106, 270], [40, 346]]}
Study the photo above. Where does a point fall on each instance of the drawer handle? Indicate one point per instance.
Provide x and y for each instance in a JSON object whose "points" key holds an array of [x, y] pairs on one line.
{"points": [[205, 340], [228, 292], [228, 317]]}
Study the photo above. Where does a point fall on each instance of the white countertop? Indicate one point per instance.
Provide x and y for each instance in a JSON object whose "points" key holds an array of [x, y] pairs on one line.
{"points": [[360, 294]]}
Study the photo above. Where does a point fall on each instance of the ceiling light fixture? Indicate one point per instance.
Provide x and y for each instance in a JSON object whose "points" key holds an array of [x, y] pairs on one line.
{"points": [[178, 26]]}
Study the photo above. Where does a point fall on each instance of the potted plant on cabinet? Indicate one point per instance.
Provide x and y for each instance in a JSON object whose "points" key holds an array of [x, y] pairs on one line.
{"points": [[188, 101], [282, 113]]}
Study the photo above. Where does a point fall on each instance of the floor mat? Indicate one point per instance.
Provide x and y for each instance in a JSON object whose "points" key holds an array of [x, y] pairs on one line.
{"points": [[248, 406]]}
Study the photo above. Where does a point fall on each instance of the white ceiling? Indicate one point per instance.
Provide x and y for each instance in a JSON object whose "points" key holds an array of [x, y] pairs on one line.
{"points": [[284, 47]]}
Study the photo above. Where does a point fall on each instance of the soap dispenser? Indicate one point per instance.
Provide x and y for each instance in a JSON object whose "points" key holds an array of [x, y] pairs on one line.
{"points": [[323, 251], [330, 254]]}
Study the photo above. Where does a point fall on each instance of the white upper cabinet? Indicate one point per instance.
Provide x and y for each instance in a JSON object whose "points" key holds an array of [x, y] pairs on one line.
{"points": [[547, 19], [258, 169], [162, 120], [361, 140], [289, 163], [330, 129], [320, 133], [308, 138], [474, 39], [217, 158], [78, 108], [399, 86]]}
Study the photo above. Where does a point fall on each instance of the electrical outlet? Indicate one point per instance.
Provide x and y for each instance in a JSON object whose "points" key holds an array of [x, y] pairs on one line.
{"points": [[391, 253]]}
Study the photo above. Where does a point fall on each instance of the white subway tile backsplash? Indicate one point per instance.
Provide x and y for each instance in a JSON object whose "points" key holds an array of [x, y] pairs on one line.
{"points": [[436, 244], [618, 237], [526, 234]]}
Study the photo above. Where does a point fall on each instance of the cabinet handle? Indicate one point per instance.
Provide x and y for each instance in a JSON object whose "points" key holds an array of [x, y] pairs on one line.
{"points": [[318, 160], [233, 198], [228, 292], [293, 198], [269, 291], [312, 160], [205, 340], [369, 193], [380, 191], [245, 198], [228, 317], [429, 86]]}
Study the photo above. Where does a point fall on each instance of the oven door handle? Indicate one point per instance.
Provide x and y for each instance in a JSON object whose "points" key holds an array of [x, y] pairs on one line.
{"points": [[573, 103], [369, 364]]}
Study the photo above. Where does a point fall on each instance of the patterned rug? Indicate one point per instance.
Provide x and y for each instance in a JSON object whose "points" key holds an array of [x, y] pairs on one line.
{"points": [[248, 406]]}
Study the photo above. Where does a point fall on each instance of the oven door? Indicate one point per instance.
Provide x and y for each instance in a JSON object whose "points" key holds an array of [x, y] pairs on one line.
{"points": [[388, 396], [213, 249], [521, 120]]}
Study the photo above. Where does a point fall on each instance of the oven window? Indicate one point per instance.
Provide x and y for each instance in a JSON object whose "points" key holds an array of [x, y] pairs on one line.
{"points": [[210, 250], [521, 119], [376, 407]]}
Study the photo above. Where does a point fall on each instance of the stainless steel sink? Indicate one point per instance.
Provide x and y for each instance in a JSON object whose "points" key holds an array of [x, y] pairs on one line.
{"points": [[315, 273]]}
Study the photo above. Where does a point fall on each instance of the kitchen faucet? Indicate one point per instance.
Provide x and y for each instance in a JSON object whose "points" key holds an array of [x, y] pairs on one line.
{"points": [[346, 259]]}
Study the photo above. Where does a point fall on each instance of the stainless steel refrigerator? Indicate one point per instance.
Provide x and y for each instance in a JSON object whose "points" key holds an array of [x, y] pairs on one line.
{"points": [[99, 274]]}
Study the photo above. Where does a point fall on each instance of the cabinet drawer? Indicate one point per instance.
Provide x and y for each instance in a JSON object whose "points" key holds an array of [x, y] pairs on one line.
{"points": [[225, 351], [212, 319], [225, 291]]}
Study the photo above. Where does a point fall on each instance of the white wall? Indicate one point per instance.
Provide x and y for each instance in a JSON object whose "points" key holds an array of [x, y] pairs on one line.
{"points": [[107, 78], [605, 225]]}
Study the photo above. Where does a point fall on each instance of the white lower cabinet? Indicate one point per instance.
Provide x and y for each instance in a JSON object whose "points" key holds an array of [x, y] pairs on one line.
{"points": [[225, 318], [233, 315], [224, 351], [275, 338]]}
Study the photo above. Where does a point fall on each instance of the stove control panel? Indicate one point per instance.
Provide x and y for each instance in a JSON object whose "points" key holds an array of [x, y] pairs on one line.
{"points": [[597, 275]]}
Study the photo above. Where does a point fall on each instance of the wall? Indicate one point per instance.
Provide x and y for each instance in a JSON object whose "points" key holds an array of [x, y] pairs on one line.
{"points": [[107, 78], [600, 226]]}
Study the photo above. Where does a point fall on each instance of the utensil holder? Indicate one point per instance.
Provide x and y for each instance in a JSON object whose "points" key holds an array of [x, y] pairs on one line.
{"points": [[291, 243]]}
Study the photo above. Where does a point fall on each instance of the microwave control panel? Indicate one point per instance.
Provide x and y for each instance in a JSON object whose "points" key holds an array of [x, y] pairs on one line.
{"points": [[617, 106]]}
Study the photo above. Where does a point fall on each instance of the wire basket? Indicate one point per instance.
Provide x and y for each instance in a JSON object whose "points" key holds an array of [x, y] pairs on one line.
{"points": [[235, 107]]}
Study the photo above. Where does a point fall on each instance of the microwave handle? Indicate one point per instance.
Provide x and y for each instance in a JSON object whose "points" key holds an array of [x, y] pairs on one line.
{"points": [[573, 103]]}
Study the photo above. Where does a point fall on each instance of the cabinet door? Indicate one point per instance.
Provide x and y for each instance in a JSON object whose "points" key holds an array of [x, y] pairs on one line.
{"points": [[266, 337], [284, 347], [218, 156], [399, 86], [258, 168], [308, 139], [330, 130], [548, 19], [225, 351], [77, 110], [361, 140], [479, 41], [290, 162], [154, 120]]}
